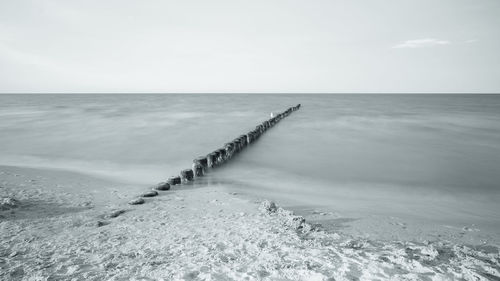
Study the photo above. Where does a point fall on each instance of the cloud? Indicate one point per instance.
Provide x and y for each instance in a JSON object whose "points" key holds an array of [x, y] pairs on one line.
{"points": [[421, 43]]}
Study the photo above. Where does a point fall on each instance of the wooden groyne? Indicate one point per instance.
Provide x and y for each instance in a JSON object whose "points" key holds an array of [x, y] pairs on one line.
{"points": [[201, 165]]}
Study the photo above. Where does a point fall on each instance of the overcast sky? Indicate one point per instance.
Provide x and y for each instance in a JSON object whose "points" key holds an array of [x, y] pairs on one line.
{"points": [[250, 46]]}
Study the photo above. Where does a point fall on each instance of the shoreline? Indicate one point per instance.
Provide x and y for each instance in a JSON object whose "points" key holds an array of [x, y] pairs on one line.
{"points": [[195, 233], [384, 226]]}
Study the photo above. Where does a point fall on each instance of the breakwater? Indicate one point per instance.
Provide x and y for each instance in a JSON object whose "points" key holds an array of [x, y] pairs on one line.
{"points": [[203, 164]]}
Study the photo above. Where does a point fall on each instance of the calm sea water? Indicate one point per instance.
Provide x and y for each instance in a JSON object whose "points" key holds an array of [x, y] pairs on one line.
{"points": [[435, 157]]}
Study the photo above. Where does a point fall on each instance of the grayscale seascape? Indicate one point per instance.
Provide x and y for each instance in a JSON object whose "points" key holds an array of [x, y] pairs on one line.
{"points": [[283, 140], [392, 187]]}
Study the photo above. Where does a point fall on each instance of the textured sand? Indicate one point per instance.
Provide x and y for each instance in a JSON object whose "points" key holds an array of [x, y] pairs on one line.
{"points": [[63, 229]]}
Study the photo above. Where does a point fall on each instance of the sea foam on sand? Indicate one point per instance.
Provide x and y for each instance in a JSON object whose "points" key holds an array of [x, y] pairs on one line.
{"points": [[199, 232]]}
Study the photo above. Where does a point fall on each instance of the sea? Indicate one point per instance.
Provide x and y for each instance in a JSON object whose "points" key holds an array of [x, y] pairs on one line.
{"points": [[432, 159]]}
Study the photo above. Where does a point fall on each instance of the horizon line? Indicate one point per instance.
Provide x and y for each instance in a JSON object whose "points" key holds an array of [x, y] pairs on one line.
{"points": [[249, 93]]}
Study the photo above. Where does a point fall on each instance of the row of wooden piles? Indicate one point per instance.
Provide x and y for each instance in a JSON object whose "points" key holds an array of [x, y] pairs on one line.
{"points": [[201, 165]]}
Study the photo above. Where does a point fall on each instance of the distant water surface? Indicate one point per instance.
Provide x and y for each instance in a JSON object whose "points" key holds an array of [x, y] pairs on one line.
{"points": [[434, 157]]}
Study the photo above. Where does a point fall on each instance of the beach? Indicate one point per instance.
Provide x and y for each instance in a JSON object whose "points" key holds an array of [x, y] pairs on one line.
{"points": [[346, 188], [201, 231]]}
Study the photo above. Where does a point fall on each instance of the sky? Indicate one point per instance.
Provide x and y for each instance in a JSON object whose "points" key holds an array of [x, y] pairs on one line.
{"points": [[258, 46]]}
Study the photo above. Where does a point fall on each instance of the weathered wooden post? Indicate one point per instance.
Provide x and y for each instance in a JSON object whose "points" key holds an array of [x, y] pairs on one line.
{"points": [[198, 170], [151, 193], [202, 160], [162, 186], [174, 180], [211, 159], [243, 139], [229, 147], [222, 155], [187, 175], [237, 145]]}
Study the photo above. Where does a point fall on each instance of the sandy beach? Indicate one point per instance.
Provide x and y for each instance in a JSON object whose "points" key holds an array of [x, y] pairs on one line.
{"points": [[63, 228]]}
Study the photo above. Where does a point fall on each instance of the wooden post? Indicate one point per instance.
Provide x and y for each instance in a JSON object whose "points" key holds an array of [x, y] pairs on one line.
{"points": [[211, 159], [197, 169], [187, 175], [174, 180]]}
